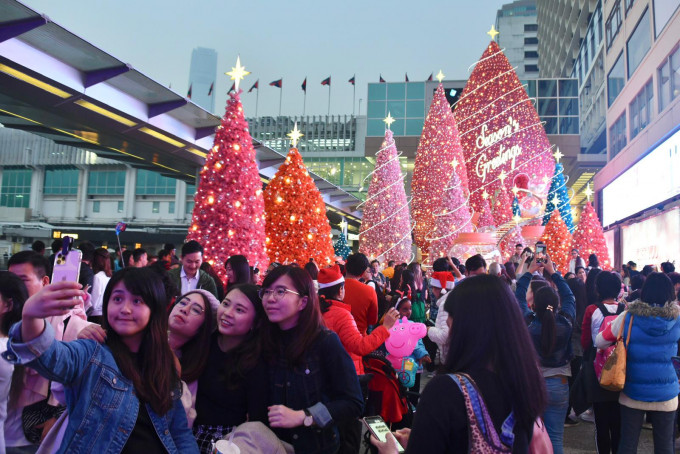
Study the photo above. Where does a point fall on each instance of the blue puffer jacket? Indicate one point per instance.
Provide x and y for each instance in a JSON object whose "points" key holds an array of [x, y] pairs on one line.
{"points": [[650, 376]]}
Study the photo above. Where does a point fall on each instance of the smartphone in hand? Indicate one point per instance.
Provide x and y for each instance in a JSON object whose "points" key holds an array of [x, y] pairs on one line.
{"points": [[376, 425], [67, 267]]}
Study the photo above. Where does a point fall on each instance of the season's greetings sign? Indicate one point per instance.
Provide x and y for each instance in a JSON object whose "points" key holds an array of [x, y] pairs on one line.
{"points": [[503, 140]]}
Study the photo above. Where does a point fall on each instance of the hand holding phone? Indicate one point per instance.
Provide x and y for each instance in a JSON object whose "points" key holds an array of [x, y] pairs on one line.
{"points": [[377, 427]]}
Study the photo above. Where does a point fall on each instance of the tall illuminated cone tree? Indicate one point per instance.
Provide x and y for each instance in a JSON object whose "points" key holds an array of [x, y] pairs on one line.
{"points": [[385, 231], [297, 225], [557, 239], [485, 222], [341, 247], [439, 153], [500, 131], [452, 219], [502, 208], [589, 237], [228, 217], [558, 197]]}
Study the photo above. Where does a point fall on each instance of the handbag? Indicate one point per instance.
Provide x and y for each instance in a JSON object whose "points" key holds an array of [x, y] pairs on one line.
{"points": [[540, 440], [35, 415], [614, 371], [482, 435]]}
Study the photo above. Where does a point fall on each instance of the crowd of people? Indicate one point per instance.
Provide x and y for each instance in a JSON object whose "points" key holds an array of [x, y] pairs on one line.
{"points": [[158, 354]]}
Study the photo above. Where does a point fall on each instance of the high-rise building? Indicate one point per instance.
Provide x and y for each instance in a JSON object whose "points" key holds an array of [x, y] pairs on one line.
{"points": [[561, 28], [518, 29], [202, 75], [637, 192]]}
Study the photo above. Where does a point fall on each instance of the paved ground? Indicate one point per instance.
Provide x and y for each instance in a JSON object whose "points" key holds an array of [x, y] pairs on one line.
{"points": [[580, 439]]}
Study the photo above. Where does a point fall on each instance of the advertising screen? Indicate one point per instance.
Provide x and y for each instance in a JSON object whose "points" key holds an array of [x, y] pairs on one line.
{"points": [[653, 240], [652, 180]]}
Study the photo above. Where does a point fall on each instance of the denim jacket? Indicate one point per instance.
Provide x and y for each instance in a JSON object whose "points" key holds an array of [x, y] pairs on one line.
{"points": [[564, 321], [325, 384], [102, 404]]}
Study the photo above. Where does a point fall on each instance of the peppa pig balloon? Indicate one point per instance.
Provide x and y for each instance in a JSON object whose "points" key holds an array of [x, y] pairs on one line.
{"points": [[403, 339]]}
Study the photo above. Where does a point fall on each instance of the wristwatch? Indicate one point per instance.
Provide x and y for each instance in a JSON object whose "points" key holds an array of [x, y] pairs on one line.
{"points": [[309, 420]]}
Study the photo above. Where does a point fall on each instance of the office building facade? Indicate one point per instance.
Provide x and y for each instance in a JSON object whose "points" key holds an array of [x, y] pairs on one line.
{"points": [[518, 36]]}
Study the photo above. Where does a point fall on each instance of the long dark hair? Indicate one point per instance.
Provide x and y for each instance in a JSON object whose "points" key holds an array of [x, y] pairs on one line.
{"points": [[102, 261], [248, 352], [591, 289], [486, 304], [407, 283], [13, 291], [546, 305], [578, 288], [195, 351], [310, 323], [241, 269], [153, 374]]}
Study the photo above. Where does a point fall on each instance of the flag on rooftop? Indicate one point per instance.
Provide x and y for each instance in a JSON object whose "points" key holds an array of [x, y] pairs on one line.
{"points": [[429, 79], [255, 86], [304, 85], [406, 77], [352, 80], [212, 85], [326, 81], [277, 83], [189, 92], [382, 81]]}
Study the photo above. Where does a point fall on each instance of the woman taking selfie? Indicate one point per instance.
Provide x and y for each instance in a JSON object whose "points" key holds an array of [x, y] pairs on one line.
{"points": [[123, 396]]}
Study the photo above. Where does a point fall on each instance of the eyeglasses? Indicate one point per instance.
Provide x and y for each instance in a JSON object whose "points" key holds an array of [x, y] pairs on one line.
{"points": [[277, 293], [195, 308]]}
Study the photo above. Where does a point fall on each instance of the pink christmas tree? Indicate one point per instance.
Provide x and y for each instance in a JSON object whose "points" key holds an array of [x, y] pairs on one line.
{"points": [[228, 217], [439, 154], [502, 208], [500, 131], [485, 222], [452, 219], [385, 231]]}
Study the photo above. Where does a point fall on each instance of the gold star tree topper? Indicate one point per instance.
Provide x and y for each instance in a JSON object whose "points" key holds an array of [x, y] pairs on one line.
{"points": [[493, 32], [238, 72], [588, 192], [558, 155], [294, 136], [389, 120], [440, 76]]}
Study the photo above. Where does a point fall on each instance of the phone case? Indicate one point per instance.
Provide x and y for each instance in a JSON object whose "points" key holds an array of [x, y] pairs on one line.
{"points": [[67, 268], [376, 425]]}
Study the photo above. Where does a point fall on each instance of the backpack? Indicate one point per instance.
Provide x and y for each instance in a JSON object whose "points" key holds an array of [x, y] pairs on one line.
{"points": [[602, 354], [418, 307]]}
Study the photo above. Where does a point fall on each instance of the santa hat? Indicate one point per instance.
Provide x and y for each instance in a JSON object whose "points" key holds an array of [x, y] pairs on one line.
{"points": [[329, 277], [443, 280]]}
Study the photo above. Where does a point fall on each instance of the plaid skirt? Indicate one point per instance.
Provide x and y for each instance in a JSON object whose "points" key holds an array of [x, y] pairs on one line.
{"points": [[206, 436]]}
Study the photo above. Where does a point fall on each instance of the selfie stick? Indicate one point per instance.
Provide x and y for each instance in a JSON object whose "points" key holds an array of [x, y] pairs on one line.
{"points": [[120, 227]]}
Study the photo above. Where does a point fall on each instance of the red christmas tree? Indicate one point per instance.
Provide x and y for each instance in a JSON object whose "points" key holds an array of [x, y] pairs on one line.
{"points": [[439, 153], [454, 218], [500, 131], [557, 239], [386, 225], [297, 226], [228, 217], [589, 238]]}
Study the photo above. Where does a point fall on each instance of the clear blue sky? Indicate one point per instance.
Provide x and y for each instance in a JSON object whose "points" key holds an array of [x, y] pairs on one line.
{"points": [[289, 39]]}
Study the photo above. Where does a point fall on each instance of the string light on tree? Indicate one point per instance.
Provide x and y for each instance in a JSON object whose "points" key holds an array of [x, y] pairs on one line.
{"points": [[297, 226], [228, 216], [454, 218], [589, 237], [558, 197], [439, 154], [341, 247], [500, 132], [558, 241], [386, 226]]}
